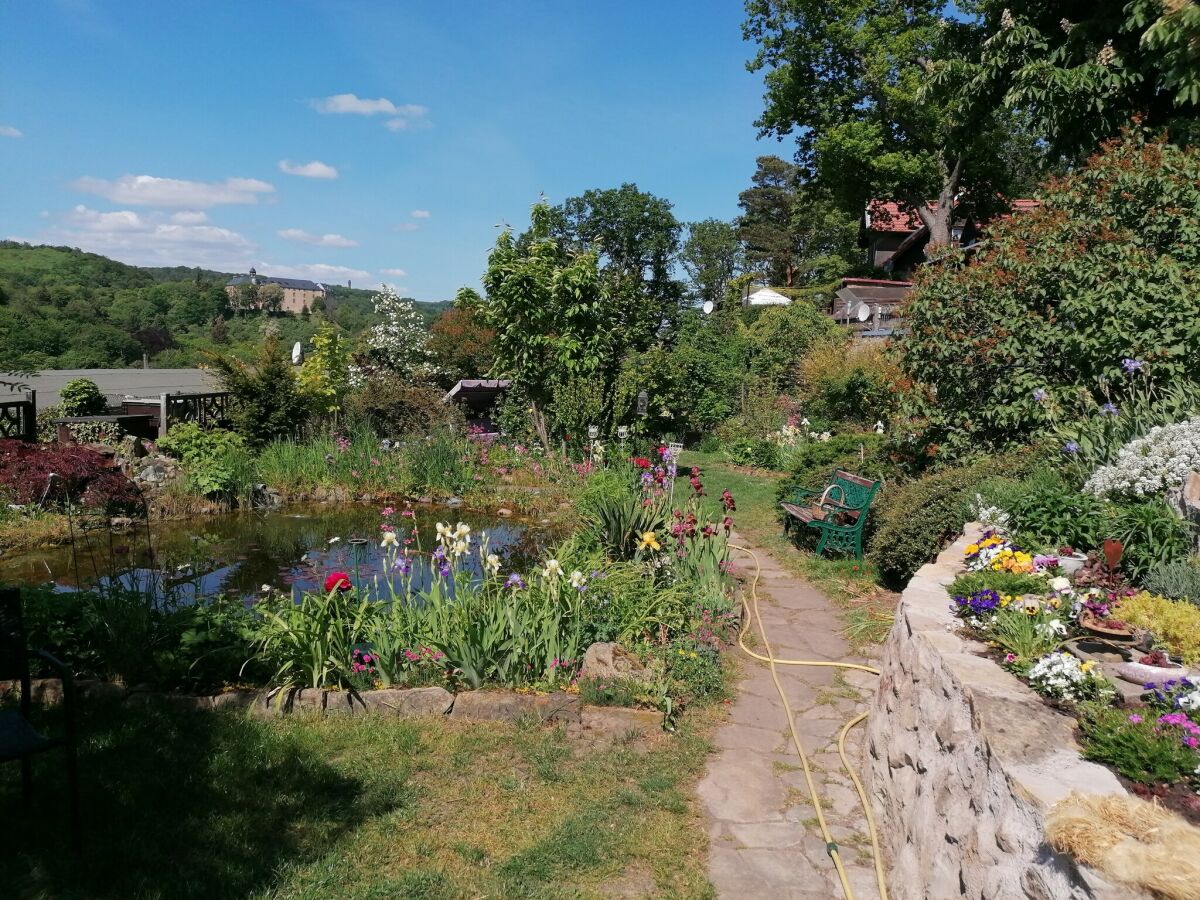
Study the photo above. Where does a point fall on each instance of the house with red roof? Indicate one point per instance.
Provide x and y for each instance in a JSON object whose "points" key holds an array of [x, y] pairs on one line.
{"points": [[894, 239]]}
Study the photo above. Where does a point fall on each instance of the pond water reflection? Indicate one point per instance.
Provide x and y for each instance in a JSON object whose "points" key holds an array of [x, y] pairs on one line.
{"points": [[237, 554]]}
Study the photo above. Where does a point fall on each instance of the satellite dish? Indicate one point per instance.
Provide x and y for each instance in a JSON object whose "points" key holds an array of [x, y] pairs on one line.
{"points": [[707, 307], [297, 354], [863, 312]]}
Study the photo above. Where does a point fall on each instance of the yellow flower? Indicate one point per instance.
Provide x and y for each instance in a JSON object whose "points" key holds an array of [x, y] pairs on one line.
{"points": [[648, 539], [1088, 666], [971, 548]]}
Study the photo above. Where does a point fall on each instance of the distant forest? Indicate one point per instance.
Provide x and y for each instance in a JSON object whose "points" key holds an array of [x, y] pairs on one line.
{"points": [[61, 308]]}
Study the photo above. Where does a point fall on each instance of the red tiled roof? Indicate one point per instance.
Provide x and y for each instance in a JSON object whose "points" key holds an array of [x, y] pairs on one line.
{"points": [[889, 216]]}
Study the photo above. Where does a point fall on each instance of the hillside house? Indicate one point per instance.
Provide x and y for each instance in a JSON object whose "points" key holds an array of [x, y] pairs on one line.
{"points": [[894, 237], [296, 295]]}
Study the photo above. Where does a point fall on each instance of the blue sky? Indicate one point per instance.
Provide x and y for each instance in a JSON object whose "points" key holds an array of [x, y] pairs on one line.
{"points": [[372, 141]]}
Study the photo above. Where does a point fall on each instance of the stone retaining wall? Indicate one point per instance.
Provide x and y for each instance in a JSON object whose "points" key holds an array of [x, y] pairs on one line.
{"points": [[594, 723], [963, 761]]}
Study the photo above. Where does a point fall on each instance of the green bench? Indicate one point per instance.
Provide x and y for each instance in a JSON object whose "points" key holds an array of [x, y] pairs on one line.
{"points": [[839, 511]]}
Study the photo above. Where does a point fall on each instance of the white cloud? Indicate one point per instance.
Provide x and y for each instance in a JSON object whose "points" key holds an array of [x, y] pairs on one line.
{"points": [[314, 169], [395, 273], [402, 115], [314, 271], [9, 131], [406, 226], [317, 240], [149, 190], [421, 214], [151, 239]]}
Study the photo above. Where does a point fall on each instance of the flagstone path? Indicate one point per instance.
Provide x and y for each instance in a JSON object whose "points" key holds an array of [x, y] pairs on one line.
{"points": [[764, 837]]}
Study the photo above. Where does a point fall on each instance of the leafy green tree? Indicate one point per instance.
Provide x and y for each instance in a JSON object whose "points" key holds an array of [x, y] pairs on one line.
{"points": [[1100, 283], [780, 337], [550, 310], [854, 77], [268, 403], [635, 237], [712, 256], [789, 229], [1080, 71], [462, 343], [325, 373]]}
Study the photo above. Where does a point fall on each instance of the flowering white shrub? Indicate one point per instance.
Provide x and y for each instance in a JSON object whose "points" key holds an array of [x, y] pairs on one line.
{"points": [[1151, 465], [399, 343], [1062, 676]]}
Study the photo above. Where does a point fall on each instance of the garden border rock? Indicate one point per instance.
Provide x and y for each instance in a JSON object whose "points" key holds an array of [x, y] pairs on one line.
{"points": [[593, 723], [964, 761]]}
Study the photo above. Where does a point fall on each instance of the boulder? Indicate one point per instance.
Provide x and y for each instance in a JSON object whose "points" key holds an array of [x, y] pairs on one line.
{"points": [[504, 512], [605, 659]]}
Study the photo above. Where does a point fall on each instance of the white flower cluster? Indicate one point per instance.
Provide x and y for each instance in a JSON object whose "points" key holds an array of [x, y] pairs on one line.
{"points": [[990, 516], [1151, 465], [1189, 702], [1063, 676]]}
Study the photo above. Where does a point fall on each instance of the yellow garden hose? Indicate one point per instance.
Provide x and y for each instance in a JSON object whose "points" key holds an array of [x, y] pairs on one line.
{"points": [[751, 608]]}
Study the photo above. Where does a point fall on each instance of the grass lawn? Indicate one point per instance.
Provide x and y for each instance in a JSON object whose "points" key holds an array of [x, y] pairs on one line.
{"points": [[850, 583], [213, 804]]}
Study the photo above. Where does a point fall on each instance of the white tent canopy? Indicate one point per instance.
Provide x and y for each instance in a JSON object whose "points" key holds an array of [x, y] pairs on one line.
{"points": [[767, 297]]}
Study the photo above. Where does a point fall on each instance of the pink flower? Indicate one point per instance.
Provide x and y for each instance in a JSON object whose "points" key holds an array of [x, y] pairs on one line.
{"points": [[1010, 658], [387, 511], [1135, 719]]}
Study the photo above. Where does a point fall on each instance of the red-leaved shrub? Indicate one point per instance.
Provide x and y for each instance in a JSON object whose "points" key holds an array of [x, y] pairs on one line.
{"points": [[85, 476]]}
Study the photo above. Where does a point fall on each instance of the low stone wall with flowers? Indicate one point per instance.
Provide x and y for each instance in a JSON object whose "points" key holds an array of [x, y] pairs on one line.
{"points": [[593, 723], [964, 761]]}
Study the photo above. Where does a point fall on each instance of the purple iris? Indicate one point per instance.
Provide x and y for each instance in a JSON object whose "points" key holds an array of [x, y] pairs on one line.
{"points": [[1071, 447], [1131, 365], [444, 570], [1039, 395], [515, 581], [1108, 409], [403, 565]]}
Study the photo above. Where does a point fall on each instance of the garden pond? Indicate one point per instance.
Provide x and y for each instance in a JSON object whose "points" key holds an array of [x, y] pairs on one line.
{"points": [[237, 554]]}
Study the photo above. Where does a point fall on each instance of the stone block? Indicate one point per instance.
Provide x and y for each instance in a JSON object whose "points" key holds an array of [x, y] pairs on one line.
{"points": [[612, 723], [423, 701], [484, 706]]}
